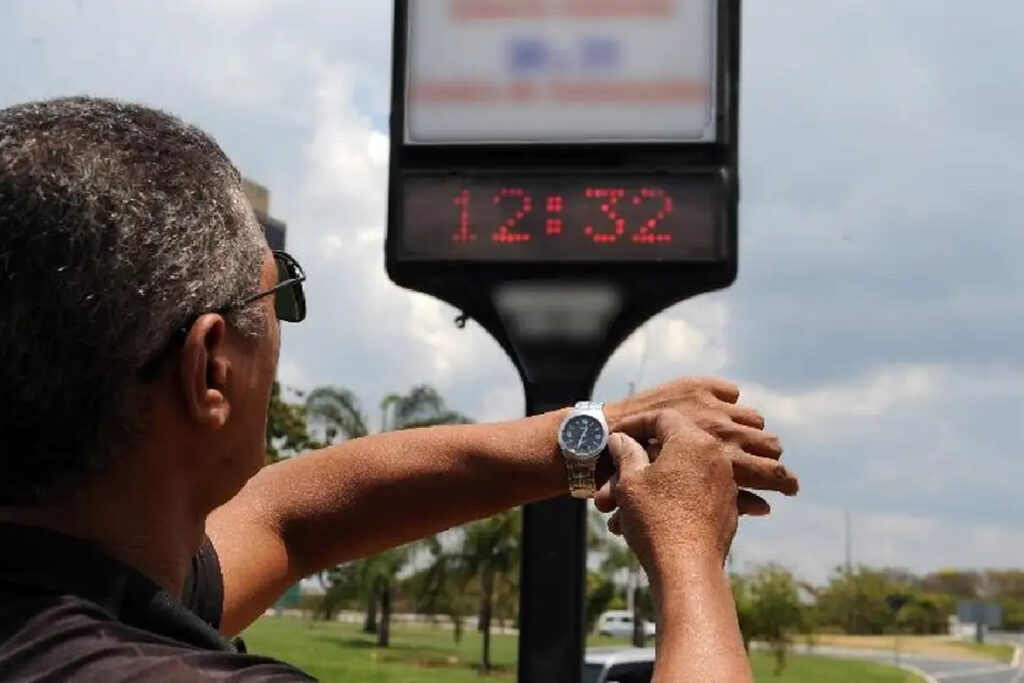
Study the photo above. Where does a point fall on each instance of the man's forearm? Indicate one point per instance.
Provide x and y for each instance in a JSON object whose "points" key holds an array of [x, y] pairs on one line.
{"points": [[360, 497], [698, 635]]}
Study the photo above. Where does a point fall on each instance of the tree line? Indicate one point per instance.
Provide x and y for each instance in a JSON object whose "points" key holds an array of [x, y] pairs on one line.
{"points": [[473, 571]]}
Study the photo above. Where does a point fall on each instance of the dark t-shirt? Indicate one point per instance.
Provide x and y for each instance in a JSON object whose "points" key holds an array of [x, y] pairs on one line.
{"points": [[69, 612]]}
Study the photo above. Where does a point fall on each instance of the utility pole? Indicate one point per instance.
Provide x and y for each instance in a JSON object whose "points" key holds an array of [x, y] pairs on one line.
{"points": [[849, 574], [849, 546]]}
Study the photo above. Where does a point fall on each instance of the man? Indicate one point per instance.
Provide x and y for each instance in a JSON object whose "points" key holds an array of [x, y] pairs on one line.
{"points": [[139, 309]]}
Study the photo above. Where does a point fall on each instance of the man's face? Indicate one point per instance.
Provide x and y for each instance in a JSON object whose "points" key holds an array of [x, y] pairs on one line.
{"points": [[254, 404], [227, 417]]}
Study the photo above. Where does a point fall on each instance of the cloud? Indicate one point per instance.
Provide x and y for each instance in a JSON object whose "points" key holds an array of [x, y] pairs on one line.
{"points": [[869, 397], [880, 303], [810, 539]]}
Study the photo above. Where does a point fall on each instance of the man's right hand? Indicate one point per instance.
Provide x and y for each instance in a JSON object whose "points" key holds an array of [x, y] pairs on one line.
{"points": [[682, 505], [678, 511]]}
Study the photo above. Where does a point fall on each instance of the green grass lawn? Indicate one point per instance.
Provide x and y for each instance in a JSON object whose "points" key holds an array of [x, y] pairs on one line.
{"points": [[339, 653], [999, 651]]}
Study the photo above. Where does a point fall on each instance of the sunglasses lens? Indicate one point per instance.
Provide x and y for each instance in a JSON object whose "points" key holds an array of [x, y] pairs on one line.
{"points": [[289, 301]]}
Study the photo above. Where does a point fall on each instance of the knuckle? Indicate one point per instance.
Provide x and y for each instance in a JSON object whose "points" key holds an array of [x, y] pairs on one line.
{"points": [[722, 465], [707, 400], [707, 443], [778, 471], [713, 421]]}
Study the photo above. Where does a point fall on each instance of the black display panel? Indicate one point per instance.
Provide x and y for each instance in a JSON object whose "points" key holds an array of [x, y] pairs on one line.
{"points": [[535, 218]]}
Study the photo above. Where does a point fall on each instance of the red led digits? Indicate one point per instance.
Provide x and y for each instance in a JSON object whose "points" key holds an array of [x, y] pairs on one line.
{"points": [[629, 215], [505, 233], [554, 206], [646, 234], [463, 233], [609, 199]]}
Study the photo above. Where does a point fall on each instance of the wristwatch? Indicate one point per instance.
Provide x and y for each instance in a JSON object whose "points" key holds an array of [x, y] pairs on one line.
{"points": [[583, 437]]}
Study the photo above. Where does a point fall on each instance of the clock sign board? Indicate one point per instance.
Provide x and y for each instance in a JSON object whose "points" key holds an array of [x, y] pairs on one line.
{"points": [[548, 218], [550, 71], [561, 171]]}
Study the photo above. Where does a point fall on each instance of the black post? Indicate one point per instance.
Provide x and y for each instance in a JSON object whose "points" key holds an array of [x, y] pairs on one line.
{"points": [[553, 574]]}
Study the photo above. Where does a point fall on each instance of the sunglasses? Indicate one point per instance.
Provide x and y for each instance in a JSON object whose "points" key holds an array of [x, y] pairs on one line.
{"points": [[289, 306], [289, 299]]}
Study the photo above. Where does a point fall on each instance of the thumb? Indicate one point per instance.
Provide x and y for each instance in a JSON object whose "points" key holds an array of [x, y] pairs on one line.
{"points": [[628, 455]]}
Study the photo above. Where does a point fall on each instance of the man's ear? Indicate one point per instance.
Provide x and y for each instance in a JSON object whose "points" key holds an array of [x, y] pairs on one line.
{"points": [[205, 369]]}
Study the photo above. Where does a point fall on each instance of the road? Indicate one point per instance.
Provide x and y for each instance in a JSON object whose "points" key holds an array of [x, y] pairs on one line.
{"points": [[937, 670]]}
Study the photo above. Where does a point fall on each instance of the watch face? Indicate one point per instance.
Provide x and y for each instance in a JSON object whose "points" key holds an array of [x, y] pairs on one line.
{"points": [[583, 435]]}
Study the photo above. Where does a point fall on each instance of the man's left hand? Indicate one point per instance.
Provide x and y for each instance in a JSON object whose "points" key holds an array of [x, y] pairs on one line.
{"points": [[711, 404]]}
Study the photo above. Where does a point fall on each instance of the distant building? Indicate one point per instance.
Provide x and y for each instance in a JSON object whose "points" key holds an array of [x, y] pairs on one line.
{"points": [[259, 197]]}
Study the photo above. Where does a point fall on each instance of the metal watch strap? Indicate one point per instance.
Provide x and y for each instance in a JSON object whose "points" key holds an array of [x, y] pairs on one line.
{"points": [[581, 478], [581, 474]]}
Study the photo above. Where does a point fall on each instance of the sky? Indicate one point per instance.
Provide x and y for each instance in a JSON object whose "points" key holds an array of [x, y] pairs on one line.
{"points": [[877, 317]]}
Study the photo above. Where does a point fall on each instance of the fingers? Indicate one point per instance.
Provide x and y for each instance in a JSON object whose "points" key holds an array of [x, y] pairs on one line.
{"points": [[764, 474], [628, 455], [604, 499], [753, 441], [615, 524], [751, 504], [743, 415], [723, 390], [658, 425], [662, 424], [754, 453]]}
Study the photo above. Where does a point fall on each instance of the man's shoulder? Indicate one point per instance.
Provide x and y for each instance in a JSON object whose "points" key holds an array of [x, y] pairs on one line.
{"points": [[64, 638]]}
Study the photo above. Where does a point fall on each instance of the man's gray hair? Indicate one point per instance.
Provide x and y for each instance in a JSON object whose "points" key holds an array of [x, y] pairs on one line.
{"points": [[118, 223]]}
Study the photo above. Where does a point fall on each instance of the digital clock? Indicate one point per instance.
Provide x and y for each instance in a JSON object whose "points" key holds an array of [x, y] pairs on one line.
{"points": [[562, 218]]}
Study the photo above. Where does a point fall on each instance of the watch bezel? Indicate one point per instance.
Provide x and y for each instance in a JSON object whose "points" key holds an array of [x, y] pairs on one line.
{"points": [[573, 454]]}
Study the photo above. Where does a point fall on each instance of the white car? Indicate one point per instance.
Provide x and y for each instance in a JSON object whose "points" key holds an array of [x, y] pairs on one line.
{"points": [[619, 624], [618, 665]]}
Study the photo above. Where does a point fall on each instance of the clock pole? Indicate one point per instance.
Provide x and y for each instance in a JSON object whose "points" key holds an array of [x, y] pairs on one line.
{"points": [[560, 211]]}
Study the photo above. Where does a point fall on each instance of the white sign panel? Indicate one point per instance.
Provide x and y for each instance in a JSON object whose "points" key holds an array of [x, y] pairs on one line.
{"points": [[544, 71]]}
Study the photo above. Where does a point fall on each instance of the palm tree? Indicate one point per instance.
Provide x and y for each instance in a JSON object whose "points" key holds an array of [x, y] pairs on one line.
{"points": [[287, 432], [437, 588], [336, 413], [618, 560], [486, 557], [421, 407]]}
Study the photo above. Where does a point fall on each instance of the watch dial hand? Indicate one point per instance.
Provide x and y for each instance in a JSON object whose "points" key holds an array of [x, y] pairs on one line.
{"points": [[579, 444]]}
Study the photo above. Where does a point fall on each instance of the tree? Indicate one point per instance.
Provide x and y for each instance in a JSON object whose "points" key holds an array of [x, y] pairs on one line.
{"points": [[287, 432], [744, 601], [856, 601], [620, 559], [421, 407], [601, 594], [1005, 583], [925, 613], [341, 587], [775, 609], [438, 590], [485, 558], [952, 582], [337, 414], [601, 588]]}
